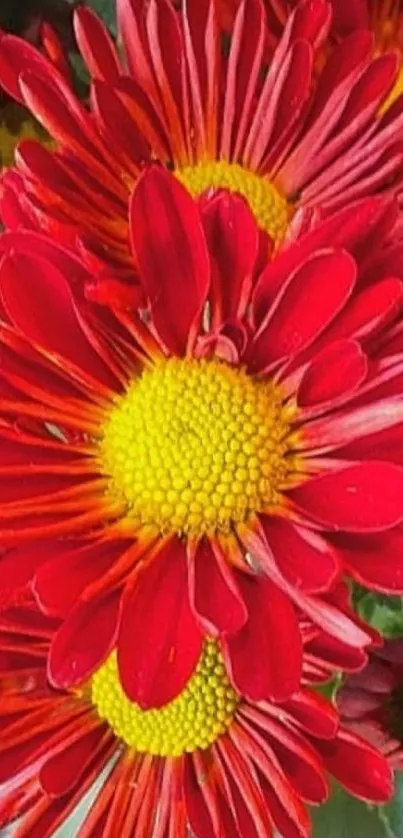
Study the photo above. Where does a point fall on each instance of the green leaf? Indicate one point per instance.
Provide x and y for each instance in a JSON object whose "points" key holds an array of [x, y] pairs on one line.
{"points": [[384, 613], [107, 10], [345, 817]]}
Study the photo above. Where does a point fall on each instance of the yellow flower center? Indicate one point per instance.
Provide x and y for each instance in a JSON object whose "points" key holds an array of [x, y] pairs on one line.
{"points": [[195, 719], [195, 446], [270, 209]]}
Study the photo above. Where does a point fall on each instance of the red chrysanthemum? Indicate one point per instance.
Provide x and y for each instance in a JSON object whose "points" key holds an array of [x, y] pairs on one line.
{"points": [[239, 439], [282, 137], [210, 761], [371, 702]]}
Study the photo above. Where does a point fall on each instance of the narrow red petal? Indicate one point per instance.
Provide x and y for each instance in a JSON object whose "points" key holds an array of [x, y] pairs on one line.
{"points": [[334, 374], [159, 641], [232, 238], [303, 556], [70, 567], [96, 45], [214, 594], [30, 287], [272, 635], [62, 772], [358, 767], [171, 252], [84, 641], [304, 307], [374, 560]]}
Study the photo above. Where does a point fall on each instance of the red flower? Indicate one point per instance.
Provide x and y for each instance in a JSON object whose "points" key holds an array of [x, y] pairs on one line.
{"points": [[282, 138], [371, 702], [210, 761], [240, 439]]}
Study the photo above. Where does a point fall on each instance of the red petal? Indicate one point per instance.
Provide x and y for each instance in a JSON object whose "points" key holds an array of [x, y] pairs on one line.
{"points": [[292, 819], [350, 228], [72, 567], [368, 311], [370, 427], [214, 593], [62, 772], [282, 801], [201, 799], [303, 556], [159, 641], [375, 560], [17, 569], [171, 252], [243, 69], [331, 618], [30, 288], [17, 56], [265, 657], [333, 654], [96, 45], [313, 713], [334, 374], [304, 307], [298, 760], [84, 641], [350, 16], [232, 238], [358, 767], [367, 497]]}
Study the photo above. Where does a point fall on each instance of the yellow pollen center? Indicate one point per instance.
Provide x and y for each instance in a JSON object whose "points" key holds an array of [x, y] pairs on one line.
{"points": [[195, 719], [269, 207], [196, 446]]}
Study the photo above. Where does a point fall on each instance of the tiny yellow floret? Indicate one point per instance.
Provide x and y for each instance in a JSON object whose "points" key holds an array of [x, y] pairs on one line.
{"points": [[195, 447], [202, 712], [270, 209]]}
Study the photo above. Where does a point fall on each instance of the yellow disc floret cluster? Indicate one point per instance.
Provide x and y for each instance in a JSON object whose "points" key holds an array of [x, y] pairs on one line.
{"points": [[269, 207], [196, 446], [195, 719]]}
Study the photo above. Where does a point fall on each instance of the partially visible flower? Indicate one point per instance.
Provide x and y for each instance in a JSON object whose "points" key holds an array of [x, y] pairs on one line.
{"points": [[29, 19], [213, 462], [371, 702], [281, 137], [210, 762]]}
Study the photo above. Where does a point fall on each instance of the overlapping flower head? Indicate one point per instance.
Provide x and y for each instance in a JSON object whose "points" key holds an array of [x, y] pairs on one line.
{"points": [[212, 465], [210, 761], [371, 701], [283, 138]]}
